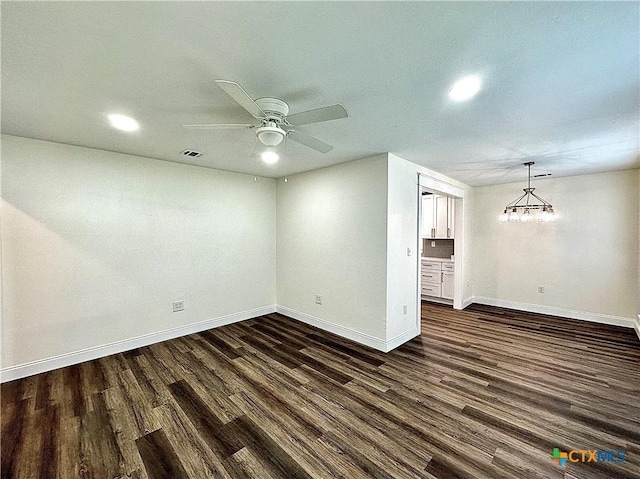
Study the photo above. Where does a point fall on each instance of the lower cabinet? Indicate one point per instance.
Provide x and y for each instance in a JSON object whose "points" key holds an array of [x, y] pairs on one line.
{"points": [[447, 285], [437, 279], [432, 289]]}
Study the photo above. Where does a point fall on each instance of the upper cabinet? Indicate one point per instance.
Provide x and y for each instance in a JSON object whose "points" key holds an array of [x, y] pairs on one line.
{"points": [[451, 204], [437, 217], [428, 217], [441, 217]]}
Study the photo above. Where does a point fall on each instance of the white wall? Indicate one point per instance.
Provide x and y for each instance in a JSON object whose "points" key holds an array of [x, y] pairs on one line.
{"points": [[468, 281], [402, 233], [637, 323], [96, 245], [331, 229], [343, 232], [587, 261]]}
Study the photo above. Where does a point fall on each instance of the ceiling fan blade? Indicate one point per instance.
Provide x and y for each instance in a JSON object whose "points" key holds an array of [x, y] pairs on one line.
{"points": [[208, 126], [327, 113], [309, 141], [236, 92]]}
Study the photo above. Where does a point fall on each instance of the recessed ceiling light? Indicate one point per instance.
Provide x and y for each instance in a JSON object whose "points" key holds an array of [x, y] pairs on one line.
{"points": [[270, 157], [122, 122], [465, 88]]}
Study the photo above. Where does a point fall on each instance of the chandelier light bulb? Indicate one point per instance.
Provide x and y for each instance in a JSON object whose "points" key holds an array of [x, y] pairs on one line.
{"points": [[514, 216], [526, 216], [542, 216], [551, 216], [504, 217], [547, 215]]}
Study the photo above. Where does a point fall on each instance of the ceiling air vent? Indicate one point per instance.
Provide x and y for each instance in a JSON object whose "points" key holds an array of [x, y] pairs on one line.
{"points": [[191, 153]]}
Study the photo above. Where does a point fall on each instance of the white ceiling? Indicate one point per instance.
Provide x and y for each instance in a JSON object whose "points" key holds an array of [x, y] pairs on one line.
{"points": [[561, 80]]}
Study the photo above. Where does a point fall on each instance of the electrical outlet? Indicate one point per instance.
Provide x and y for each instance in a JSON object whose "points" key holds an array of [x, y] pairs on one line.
{"points": [[318, 299], [404, 309], [540, 289], [178, 305], [433, 244], [408, 251]]}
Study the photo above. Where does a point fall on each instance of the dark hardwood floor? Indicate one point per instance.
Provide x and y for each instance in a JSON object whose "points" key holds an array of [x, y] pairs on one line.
{"points": [[484, 393]]}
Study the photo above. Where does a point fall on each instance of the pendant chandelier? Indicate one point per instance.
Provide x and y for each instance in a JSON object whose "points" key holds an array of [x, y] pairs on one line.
{"points": [[522, 208]]}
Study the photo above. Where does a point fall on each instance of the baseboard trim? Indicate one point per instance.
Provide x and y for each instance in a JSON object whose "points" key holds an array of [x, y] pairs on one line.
{"points": [[401, 338], [433, 299], [467, 302], [88, 354], [555, 311], [342, 331]]}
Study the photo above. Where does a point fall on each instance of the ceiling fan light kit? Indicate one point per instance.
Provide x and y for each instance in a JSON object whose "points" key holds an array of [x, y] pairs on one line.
{"points": [[521, 209], [275, 123], [271, 134]]}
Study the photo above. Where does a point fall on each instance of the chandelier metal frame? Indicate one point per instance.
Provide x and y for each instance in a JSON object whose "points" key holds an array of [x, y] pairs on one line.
{"points": [[520, 209]]}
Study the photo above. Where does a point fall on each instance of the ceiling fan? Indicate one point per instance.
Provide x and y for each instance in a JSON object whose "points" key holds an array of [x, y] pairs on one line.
{"points": [[275, 123]]}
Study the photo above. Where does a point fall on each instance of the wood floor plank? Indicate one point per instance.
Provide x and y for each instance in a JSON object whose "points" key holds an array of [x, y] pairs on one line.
{"points": [[245, 464], [220, 437], [196, 456], [100, 454], [264, 446], [298, 441], [13, 428], [27, 464], [69, 438], [50, 450], [482, 393], [160, 459]]}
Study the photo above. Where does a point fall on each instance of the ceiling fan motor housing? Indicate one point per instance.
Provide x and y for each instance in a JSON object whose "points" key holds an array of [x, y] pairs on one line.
{"points": [[274, 106]]}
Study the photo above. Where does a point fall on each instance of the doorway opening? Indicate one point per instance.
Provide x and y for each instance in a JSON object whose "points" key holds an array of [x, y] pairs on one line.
{"points": [[440, 243]]}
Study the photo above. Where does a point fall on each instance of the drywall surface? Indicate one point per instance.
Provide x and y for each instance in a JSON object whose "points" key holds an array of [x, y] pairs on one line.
{"points": [[96, 245], [587, 261], [402, 235], [331, 241], [467, 246]]}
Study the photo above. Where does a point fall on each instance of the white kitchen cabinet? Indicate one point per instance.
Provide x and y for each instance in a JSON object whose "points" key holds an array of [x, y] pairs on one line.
{"points": [[441, 216], [432, 289], [428, 225], [431, 266], [437, 217], [437, 278], [447, 285], [451, 202], [431, 278]]}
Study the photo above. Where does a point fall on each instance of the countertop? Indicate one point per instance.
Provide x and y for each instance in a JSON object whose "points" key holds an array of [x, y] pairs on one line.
{"points": [[431, 258]]}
